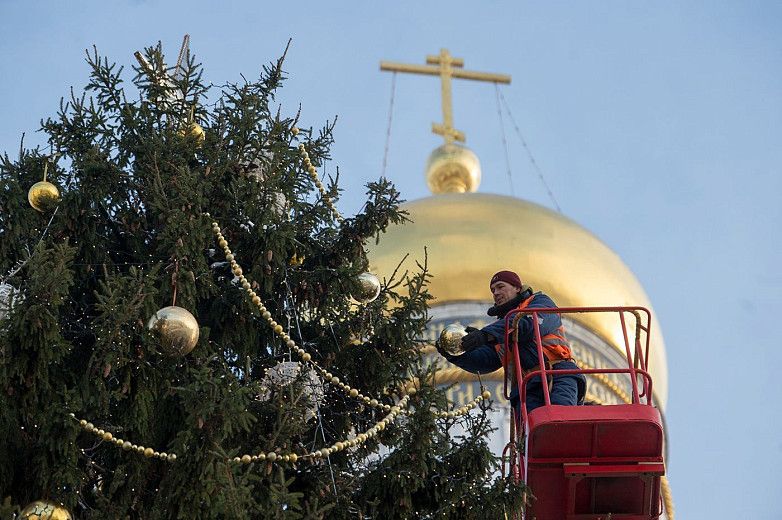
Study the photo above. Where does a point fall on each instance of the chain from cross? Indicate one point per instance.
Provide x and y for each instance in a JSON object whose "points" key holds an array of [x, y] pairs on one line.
{"points": [[447, 67]]}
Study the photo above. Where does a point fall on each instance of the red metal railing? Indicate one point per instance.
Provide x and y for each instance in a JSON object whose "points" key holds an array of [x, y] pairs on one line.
{"points": [[636, 367]]}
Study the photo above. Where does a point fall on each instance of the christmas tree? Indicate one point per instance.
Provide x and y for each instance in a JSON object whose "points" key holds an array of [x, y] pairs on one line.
{"points": [[188, 327]]}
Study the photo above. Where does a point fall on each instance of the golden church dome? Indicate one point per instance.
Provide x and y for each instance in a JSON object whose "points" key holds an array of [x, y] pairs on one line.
{"points": [[470, 236]]}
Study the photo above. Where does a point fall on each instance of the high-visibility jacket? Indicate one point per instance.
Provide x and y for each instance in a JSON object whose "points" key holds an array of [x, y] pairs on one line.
{"points": [[555, 345]]}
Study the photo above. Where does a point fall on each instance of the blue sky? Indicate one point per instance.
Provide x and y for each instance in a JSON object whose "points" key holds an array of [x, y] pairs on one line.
{"points": [[656, 124]]}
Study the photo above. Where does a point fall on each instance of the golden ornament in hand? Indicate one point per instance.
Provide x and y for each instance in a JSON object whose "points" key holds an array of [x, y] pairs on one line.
{"points": [[451, 339]]}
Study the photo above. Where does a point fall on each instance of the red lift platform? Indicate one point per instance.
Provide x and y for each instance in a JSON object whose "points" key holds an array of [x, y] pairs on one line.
{"points": [[589, 462]]}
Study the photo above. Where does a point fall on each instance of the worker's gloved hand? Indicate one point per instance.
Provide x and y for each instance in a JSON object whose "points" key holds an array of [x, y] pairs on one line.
{"points": [[474, 338]]}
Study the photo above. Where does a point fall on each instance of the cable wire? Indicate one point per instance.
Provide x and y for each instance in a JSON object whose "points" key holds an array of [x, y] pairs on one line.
{"points": [[388, 129], [504, 140], [529, 153]]}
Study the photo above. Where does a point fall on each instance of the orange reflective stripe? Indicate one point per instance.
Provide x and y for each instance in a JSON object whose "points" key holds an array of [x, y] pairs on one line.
{"points": [[557, 353], [555, 345], [523, 305]]}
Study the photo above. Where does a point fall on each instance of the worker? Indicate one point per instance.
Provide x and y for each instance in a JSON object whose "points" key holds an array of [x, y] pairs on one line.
{"points": [[485, 350]]}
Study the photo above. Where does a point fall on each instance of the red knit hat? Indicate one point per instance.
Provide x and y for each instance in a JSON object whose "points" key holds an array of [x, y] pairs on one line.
{"points": [[506, 276]]}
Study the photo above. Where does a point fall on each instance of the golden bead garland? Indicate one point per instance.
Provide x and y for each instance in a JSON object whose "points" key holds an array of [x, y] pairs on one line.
{"points": [[122, 443], [667, 497], [337, 446], [271, 456], [464, 410], [313, 172], [457, 412]]}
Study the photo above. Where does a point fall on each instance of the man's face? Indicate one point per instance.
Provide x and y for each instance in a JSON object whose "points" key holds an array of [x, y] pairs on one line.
{"points": [[503, 292]]}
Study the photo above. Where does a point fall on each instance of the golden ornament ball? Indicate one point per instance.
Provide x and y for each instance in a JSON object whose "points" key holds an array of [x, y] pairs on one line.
{"points": [[45, 510], [451, 339], [42, 195], [194, 131], [367, 288], [176, 329]]}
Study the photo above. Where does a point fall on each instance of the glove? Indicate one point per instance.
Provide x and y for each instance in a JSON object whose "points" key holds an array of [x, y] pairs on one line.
{"points": [[474, 338]]}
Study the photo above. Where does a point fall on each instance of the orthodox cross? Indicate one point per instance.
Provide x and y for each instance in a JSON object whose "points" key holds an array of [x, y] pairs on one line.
{"points": [[447, 67]]}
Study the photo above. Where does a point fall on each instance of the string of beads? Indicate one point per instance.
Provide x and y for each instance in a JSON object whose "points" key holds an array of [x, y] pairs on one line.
{"points": [[313, 172], [122, 443], [247, 458]]}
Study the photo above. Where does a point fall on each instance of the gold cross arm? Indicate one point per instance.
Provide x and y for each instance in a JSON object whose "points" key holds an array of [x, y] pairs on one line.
{"points": [[447, 67], [391, 66]]}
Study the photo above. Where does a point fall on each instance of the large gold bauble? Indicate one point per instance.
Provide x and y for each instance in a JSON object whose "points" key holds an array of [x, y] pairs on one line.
{"points": [[195, 132], [45, 510], [451, 339], [453, 169], [176, 329], [42, 195], [367, 288]]}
